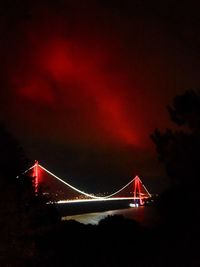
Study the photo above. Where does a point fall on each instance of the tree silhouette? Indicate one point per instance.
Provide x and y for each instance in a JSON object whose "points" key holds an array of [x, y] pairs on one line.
{"points": [[22, 214], [12, 157], [179, 151], [14, 196]]}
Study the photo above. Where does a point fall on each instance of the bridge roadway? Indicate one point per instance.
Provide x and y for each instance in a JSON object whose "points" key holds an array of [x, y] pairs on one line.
{"points": [[81, 206]]}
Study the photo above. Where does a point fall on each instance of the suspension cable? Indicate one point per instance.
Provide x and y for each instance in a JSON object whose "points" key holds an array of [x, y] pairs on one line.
{"points": [[86, 194], [82, 192]]}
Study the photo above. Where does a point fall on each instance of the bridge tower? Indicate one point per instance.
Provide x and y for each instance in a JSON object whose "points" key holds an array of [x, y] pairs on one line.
{"points": [[36, 177], [137, 190]]}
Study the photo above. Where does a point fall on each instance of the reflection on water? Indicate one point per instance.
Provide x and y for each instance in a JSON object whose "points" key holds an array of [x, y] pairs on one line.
{"points": [[144, 215]]}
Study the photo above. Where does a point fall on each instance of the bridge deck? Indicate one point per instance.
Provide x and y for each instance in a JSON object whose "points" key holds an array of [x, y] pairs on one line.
{"points": [[98, 199]]}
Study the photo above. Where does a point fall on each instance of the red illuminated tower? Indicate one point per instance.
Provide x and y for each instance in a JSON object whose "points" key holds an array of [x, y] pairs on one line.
{"points": [[36, 175], [137, 190]]}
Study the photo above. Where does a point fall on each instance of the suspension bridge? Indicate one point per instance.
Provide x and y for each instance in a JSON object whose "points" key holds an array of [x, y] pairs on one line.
{"points": [[61, 192]]}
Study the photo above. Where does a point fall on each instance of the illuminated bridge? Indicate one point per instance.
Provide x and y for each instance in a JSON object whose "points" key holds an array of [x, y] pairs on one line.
{"points": [[61, 192]]}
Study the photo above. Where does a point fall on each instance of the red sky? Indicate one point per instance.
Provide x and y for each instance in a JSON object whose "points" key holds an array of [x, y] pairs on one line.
{"points": [[92, 80]]}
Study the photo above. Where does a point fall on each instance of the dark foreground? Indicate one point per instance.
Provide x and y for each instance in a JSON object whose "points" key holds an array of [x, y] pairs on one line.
{"points": [[116, 241]]}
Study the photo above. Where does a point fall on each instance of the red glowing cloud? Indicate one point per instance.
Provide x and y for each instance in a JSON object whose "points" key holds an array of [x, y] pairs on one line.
{"points": [[66, 76], [65, 63], [37, 90], [81, 80]]}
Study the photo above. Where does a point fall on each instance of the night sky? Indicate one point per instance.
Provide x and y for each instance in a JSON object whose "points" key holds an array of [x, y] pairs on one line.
{"points": [[84, 83]]}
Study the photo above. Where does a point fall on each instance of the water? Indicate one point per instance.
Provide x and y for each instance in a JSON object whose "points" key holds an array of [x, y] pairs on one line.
{"points": [[145, 215]]}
